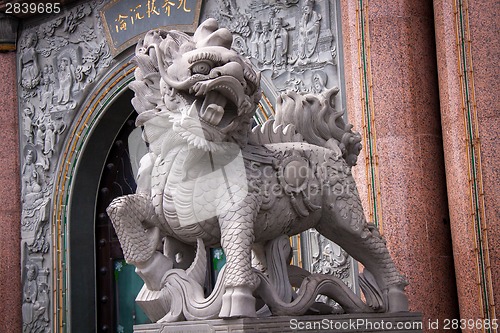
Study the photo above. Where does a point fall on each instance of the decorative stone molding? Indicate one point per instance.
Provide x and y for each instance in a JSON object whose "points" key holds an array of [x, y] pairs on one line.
{"points": [[326, 257], [36, 299], [283, 324]]}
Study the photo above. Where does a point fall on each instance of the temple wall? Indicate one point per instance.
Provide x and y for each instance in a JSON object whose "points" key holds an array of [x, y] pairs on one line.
{"points": [[10, 210], [419, 81]]}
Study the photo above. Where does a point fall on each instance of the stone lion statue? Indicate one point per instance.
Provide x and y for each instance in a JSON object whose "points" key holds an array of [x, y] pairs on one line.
{"points": [[209, 179]]}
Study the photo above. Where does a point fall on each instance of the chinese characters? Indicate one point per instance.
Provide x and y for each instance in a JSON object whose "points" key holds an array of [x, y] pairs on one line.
{"points": [[148, 9]]}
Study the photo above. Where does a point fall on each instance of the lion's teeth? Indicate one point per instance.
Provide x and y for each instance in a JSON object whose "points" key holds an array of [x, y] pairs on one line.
{"points": [[193, 110], [213, 114], [212, 109]]}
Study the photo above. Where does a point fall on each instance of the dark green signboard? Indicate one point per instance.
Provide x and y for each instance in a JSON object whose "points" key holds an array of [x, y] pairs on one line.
{"points": [[125, 21]]}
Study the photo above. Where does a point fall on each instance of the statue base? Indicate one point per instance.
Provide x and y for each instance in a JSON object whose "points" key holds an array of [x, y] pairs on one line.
{"points": [[361, 322]]}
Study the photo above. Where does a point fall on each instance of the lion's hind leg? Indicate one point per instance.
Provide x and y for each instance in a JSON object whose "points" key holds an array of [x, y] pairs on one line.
{"points": [[343, 222]]}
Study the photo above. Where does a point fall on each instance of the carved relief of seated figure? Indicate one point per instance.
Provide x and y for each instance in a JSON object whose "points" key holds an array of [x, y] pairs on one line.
{"points": [[32, 189]]}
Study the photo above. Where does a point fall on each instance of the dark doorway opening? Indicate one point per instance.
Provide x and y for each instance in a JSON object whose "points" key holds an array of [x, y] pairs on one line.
{"points": [[94, 250], [117, 284]]}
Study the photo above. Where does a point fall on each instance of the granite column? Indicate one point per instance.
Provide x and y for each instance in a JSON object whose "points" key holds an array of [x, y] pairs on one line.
{"points": [[467, 55], [393, 99], [10, 208]]}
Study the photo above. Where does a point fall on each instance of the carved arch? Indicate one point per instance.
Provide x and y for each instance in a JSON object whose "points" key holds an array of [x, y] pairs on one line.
{"points": [[76, 182]]}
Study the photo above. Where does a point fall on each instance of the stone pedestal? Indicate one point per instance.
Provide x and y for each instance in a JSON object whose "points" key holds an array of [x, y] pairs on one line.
{"points": [[367, 322]]}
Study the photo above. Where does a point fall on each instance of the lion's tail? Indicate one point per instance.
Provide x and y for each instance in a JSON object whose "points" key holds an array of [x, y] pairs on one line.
{"points": [[318, 122]]}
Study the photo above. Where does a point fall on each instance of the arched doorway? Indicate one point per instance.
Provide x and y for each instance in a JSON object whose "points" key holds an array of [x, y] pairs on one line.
{"points": [[91, 174], [117, 284], [92, 307]]}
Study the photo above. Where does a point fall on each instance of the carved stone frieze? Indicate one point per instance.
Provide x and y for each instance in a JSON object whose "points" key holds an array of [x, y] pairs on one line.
{"points": [[290, 42], [36, 300], [59, 60], [326, 257]]}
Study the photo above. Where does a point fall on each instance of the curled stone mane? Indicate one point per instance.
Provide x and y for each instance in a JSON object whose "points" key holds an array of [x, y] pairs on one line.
{"points": [[317, 120]]}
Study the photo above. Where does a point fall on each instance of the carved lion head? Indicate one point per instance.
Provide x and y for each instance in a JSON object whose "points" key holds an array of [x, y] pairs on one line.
{"points": [[207, 90]]}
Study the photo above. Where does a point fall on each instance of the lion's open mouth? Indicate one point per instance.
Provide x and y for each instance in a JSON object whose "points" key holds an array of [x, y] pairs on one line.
{"points": [[217, 110], [222, 101]]}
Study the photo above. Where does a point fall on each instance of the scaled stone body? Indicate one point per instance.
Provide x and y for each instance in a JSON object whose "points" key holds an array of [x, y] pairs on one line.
{"points": [[210, 180]]}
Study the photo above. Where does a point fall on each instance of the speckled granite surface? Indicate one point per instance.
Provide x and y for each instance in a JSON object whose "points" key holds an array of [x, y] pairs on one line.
{"points": [[10, 212], [409, 151]]}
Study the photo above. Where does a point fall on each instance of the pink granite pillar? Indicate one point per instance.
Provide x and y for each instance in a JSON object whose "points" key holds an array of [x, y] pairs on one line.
{"points": [[397, 86], [467, 54], [10, 211]]}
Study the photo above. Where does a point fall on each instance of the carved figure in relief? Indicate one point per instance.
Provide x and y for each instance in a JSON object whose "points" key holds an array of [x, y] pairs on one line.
{"points": [[40, 133], [37, 217], [50, 140], [47, 91], [30, 68], [255, 39], [206, 181], [265, 52], [66, 78], [28, 125], [279, 42], [41, 139], [30, 292], [35, 301], [31, 189], [309, 28], [319, 80], [35, 210], [44, 300]]}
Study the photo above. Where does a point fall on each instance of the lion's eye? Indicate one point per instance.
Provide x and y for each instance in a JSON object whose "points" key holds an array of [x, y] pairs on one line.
{"points": [[201, 67]]}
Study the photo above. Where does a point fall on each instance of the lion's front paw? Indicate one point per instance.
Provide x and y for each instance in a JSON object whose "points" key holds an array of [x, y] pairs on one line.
{"points": [[238, 302]]}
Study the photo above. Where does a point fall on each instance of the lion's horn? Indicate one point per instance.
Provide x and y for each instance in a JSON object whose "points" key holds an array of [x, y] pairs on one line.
{"points": [[209, 34]]}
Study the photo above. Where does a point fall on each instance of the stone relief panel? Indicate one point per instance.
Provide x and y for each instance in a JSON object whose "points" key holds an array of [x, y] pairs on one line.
{"points": [[36, 301], [294, 43], [59, 60], [326, 257]]}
